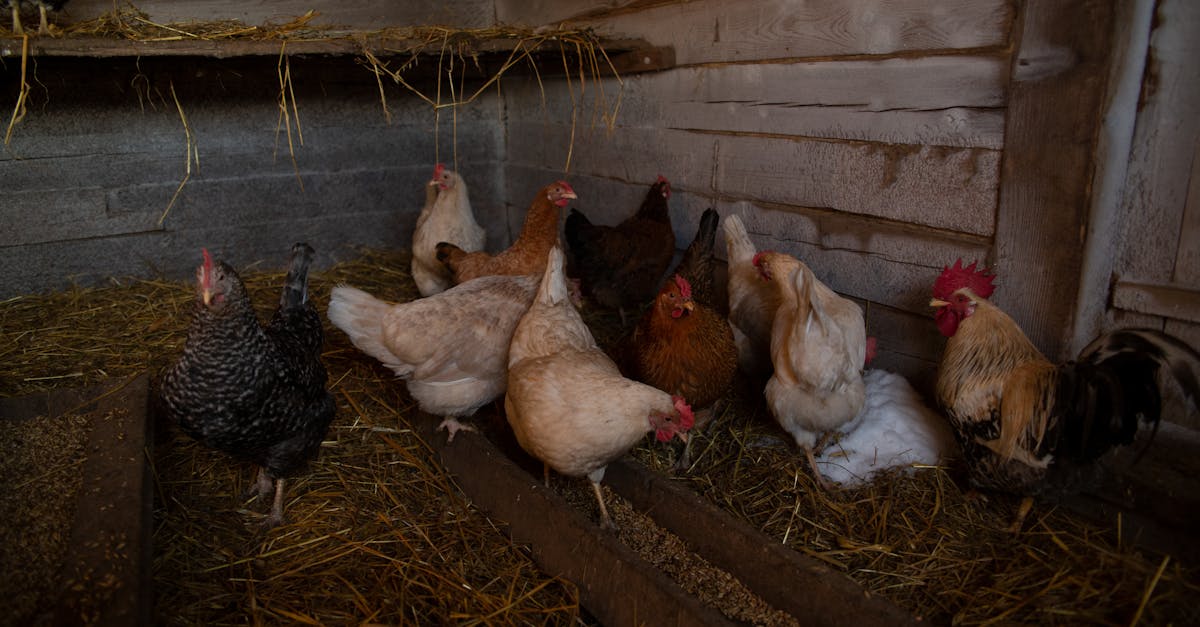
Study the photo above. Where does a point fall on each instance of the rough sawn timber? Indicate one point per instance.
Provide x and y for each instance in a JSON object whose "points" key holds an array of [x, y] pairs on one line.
{"points": [[616, 585], [812, 592]]}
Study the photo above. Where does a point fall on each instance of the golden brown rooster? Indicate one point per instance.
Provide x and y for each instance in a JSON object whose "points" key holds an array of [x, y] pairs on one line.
{"points": [[1026, 425]]}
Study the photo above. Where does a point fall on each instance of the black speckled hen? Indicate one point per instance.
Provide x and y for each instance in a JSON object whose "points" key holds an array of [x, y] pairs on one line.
{"points": [[255, 392]]}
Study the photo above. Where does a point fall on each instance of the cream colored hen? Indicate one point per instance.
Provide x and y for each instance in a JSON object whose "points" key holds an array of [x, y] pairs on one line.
{"points": [[818, 346], [567, 403], [752, 302], [446, 217], [451, 348]]}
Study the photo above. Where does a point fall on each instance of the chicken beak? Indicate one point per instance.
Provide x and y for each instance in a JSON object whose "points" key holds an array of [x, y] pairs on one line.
{"points": [[689, 305], [682, 436], [937, 302], [570, 195], [206, 294]]}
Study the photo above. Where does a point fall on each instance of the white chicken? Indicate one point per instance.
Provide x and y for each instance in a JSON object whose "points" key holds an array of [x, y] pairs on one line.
{"points": [[446, 217], [818, 347], [752, 302], [567, 403], [450, 348]]}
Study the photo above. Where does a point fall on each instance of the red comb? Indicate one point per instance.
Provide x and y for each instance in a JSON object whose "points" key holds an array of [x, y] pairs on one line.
{"points": [[956, 277], [685, 288], [661, 179], [438, 169], [208, 262], [757, 261], [686, 418]]}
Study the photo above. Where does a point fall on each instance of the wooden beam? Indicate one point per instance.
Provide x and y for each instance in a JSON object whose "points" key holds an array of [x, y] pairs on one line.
{"points": [[627, 56], [789, 581], [615, 585], [1054, 113], [1170, 301]]}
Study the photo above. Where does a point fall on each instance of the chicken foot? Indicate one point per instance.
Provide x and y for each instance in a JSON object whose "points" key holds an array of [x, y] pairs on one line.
{"points": [[263, 486], [453, 426]]}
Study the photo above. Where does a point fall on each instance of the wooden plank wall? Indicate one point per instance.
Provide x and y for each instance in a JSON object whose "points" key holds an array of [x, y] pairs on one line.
{"points": [[864, 137], [92, 167]]}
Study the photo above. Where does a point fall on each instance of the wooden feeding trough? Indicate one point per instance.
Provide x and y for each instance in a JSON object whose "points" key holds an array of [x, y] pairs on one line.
{"points": [[77, 506]]}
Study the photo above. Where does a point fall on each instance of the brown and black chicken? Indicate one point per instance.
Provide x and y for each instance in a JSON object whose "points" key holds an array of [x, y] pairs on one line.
{"points": [[254, 392]]}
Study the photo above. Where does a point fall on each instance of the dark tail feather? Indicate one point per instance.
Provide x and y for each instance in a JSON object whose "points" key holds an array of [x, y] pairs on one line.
{"points": [[295, 286], [446, 254], [698, 262], [1114, 383]]}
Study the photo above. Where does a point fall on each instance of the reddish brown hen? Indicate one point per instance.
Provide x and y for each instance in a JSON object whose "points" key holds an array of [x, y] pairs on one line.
{"points": [[528, 254], [620, 266], [682, 345]]}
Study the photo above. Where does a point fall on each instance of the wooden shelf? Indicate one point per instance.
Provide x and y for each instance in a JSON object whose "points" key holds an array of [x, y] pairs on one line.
{"points": [[627, 56]]}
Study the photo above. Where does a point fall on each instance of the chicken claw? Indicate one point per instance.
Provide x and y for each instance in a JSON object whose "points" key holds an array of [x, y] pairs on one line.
{"points": [[453, 426]]}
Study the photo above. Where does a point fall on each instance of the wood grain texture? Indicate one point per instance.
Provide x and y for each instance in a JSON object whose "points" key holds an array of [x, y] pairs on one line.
{"points": [[707, 31], [947, 101], [351, 14], [1162, 161], [952, 189], [1055, 104]]}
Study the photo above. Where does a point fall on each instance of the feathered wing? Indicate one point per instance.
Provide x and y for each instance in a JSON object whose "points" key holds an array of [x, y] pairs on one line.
{"points": [[464, 334], [552, 323], [360, 316], [460, 333], [832, 332], [752, 301], [698, 264]]}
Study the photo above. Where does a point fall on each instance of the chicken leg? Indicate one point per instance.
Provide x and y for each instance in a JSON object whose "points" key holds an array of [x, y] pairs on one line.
{"points": [[16, 17], [605, 520], [276, 517]]}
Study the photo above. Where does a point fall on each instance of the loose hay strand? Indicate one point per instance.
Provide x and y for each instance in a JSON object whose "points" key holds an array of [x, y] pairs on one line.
{"points": [[284, 71], [192, 154], [19, 110]]}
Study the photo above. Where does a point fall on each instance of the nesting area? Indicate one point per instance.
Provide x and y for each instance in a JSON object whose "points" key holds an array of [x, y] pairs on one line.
{"points": [[376, 531]]}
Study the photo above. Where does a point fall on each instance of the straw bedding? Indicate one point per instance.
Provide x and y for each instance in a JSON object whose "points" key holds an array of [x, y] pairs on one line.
{"points": [[378, 533]]}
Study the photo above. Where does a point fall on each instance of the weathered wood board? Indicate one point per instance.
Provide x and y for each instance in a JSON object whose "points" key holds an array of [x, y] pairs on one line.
{"points": [[351, 14], [91, 169], [713, 30], [936, 100]]}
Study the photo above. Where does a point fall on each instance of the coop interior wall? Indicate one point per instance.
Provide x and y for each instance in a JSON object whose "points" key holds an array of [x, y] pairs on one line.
{"points": [[867, 140]]}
